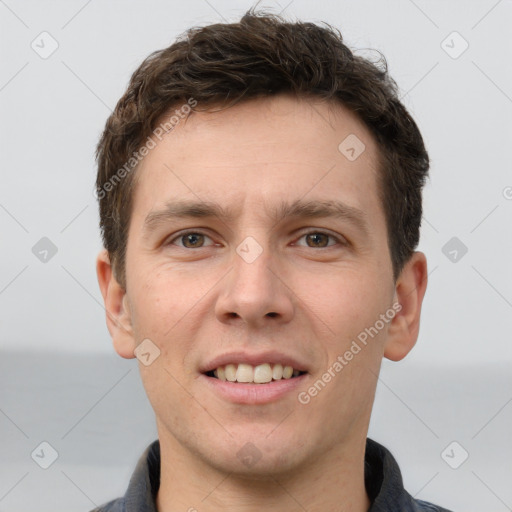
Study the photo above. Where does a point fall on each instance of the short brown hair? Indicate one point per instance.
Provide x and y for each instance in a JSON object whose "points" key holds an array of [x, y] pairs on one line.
{"points": [[262, 55]]}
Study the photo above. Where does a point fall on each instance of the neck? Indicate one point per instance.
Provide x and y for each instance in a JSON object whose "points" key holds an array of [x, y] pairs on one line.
{"points": [[335, 481]]}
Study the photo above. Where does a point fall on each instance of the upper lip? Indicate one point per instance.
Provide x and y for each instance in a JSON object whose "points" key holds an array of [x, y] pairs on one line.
{"points": [[254, 359]]}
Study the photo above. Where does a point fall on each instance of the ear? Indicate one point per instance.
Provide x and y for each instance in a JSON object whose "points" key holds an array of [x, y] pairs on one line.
{"points": [[410, 289], [119, 321]]}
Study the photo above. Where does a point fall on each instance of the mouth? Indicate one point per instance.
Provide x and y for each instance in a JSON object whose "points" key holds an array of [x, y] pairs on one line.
{"points": [[258, 375], [245, 378]]}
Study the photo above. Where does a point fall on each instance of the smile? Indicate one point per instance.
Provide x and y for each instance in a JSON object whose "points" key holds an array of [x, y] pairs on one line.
{"points": [[260, 374]]}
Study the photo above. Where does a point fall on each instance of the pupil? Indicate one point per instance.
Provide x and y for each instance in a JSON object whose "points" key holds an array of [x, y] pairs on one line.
{"points": [[192, 239], [315, 238]]}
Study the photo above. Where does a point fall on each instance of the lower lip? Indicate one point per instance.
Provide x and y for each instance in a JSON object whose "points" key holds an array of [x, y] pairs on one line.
{"points": [[241, 393]]}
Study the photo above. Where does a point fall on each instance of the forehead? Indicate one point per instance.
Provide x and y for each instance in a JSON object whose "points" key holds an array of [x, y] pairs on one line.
{"points": [[263, 151]]}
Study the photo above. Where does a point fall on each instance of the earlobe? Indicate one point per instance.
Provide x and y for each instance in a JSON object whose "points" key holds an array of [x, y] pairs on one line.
{"points": [[118, 312], [409, 292]]}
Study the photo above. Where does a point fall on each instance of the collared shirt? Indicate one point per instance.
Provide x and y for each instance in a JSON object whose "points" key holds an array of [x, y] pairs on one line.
{"points": [[382, 476]]}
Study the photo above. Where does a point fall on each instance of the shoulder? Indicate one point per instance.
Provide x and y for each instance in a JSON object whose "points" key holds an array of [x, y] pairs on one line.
{"points": [[425, 506], [116, 505], [384, 484], [143, 486]]}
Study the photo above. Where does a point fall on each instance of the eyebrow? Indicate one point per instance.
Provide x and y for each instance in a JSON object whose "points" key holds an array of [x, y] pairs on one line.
{"points": [[298, 209]]}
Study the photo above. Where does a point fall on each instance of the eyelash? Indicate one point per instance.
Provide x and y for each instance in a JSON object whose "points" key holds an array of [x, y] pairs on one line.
{"points": [[312, 232]]}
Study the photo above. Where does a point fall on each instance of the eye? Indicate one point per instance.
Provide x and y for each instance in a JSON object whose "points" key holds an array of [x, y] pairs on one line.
{"points": [[320, 239], [190, 240], [314, 239]]}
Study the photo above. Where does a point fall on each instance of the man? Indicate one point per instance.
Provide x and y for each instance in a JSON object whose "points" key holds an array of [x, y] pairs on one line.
{"points": [[260, 203]]}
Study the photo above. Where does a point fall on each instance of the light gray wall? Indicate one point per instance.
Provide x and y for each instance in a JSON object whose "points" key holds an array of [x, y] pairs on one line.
{"points": [[454, 386], [53, 111]]}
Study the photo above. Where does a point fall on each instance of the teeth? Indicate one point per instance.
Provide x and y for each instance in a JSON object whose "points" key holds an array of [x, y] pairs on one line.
{"points": [[260, 374], [230, 372], [244, 373], [277, 372], [287, 372]]}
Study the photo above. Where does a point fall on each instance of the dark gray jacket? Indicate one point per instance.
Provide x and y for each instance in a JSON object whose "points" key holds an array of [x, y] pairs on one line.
{"points": [[383, 482]]}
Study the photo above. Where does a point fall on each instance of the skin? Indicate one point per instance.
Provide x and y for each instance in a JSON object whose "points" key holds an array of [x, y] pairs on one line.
{"points": [[200, 300]]}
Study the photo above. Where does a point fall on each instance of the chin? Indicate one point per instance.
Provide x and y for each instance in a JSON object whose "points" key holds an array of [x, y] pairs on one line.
{"points": [[260, 467], [258, 456]]}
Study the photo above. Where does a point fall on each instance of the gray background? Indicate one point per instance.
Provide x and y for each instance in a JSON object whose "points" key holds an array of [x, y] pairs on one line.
{"points": [[60, 380]]}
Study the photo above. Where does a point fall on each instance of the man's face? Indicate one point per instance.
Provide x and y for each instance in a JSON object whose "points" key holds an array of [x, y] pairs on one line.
{"points": [[253, 286]]}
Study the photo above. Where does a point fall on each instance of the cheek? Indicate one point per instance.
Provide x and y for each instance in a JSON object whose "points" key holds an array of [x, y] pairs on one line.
{"points": [[168, 398], [347, 302], [160, 298], [350, 306], [169, 309]]}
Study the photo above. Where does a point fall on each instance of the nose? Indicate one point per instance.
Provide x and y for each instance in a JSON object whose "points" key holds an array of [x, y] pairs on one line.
{"points": [[255, 292]]}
